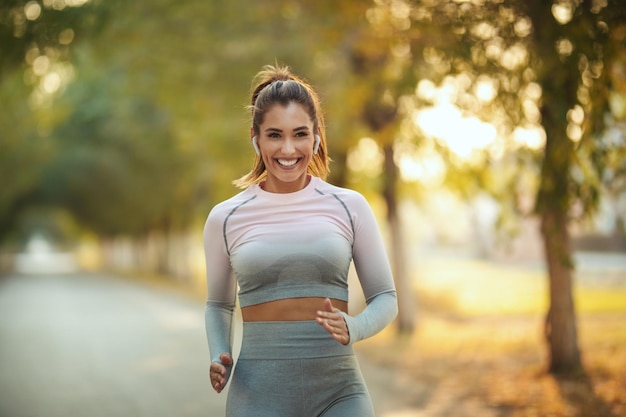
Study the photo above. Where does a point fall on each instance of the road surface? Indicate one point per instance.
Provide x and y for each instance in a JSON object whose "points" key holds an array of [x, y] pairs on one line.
{"points": [[86, 345], [95, 346]]}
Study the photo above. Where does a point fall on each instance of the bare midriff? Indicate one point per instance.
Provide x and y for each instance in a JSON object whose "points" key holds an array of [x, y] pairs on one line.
{"points": [[289, 309]]}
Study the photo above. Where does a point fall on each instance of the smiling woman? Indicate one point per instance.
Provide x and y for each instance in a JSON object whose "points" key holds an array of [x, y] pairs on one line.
{"points": [[285, 143], [276, 88], [286, 244]]}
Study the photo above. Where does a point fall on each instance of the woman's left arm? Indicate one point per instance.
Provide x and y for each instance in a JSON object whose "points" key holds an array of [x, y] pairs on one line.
{"points": [[374, 272]]}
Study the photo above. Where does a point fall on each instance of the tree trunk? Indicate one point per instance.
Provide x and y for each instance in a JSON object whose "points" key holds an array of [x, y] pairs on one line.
{"points": [[553, 208], [406, 298], [560, 325]]}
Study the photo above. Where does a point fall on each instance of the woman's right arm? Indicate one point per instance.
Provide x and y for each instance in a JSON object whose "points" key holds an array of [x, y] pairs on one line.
{"points": [[221, 290]]}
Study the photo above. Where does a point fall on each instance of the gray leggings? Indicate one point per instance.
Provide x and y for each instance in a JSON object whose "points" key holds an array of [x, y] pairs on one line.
{"points": [[295, 369]]}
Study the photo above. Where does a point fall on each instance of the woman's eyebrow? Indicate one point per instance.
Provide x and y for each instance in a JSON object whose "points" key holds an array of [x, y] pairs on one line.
{"points": [[297, 129]]}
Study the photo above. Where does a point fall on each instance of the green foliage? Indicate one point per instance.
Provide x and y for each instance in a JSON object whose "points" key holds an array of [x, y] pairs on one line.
{"points": [[22, 152], [116, 175], [147, 127], [155, 93], [49, 28], [545, 72]]}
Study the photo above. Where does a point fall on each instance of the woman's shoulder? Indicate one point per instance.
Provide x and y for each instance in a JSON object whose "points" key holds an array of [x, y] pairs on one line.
{"points": [[223, 208], [346, 195]]}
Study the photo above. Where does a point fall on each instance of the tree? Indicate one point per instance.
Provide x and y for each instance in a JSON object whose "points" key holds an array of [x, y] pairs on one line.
{"points": [[22, 153], [382, 74], [560, 50], [114, 175], [196, 77], [35, 40], [30, 29], [572, 44]]}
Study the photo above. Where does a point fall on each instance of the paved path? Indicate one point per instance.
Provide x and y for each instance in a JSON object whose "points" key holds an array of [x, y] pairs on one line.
{"points": [[79, 345], [91, 346]]}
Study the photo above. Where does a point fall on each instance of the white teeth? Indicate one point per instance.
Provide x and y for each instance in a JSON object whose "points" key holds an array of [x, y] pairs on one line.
{"points": [[287, 162]]}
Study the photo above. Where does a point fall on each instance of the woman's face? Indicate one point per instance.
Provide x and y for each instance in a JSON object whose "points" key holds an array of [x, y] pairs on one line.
{"points": [[285, 141]]}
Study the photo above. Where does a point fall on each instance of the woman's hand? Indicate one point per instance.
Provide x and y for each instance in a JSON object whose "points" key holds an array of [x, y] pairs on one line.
{"points": [[219, 372], [333, 322]]}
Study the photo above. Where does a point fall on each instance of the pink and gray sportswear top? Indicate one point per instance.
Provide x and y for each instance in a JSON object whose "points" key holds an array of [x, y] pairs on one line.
{"points": [[276, 246]]}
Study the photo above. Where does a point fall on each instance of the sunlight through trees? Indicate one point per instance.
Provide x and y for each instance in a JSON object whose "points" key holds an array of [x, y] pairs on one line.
{"points": [[129, 118]]}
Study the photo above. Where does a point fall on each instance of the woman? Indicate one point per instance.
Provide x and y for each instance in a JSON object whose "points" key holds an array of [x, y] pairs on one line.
{"points": [[287, 241]]}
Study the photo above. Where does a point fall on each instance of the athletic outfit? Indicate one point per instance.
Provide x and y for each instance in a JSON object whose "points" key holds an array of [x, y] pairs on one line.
{"points": [[276, 246]]}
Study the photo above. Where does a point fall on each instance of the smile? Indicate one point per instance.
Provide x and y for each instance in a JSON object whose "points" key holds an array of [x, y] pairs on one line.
{"points": [[287, 162]]}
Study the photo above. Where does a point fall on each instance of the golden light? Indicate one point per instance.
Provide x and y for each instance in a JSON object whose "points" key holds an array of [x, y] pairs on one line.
{"points": [[484, 30], [533, 91], [41, 64], [463, 135], [576, 115], [32, 10], [564, 47], [514, 57], [56, 76], [62, 4], [494, 48], [523, 27], [530, 137], [531, 111], [485, 90], [574, 132], [428, 168], [366, 157], [562, 12], [426, 89], [51, 82], [66, 37], [617, 104]]}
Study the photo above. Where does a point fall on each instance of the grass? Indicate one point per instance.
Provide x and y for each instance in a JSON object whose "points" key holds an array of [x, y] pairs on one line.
{"points": [[479, 349], [475, 288]]}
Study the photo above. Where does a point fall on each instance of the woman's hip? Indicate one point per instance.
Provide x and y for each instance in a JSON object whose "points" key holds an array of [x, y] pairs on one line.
{"points": [[289, 340]]}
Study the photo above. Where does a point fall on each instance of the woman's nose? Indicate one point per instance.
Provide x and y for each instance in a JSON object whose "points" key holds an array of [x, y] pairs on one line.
{"points": [[288, 146]]}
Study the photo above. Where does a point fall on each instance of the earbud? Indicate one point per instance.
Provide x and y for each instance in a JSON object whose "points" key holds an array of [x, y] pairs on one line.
{"points": [[256, 146]]}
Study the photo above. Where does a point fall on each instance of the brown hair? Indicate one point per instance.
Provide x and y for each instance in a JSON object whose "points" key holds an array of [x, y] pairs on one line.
{"points": [[277, 85]]}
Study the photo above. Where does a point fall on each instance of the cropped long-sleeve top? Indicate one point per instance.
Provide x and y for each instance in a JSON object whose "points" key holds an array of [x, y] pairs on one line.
{"points": [[275, 246]]}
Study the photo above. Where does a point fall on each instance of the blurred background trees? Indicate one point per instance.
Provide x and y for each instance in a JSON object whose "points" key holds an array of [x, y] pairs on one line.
{"points": [[123, 122]]}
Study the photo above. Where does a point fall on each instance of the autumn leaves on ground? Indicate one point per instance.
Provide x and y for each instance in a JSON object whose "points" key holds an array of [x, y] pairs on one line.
{"points": [[479, 351]]}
